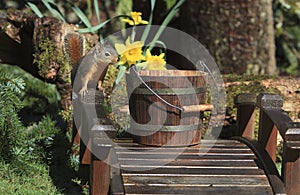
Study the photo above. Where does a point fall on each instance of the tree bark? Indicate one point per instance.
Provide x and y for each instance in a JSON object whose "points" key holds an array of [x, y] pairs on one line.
{"points": [[23, 43], [239, 34]]}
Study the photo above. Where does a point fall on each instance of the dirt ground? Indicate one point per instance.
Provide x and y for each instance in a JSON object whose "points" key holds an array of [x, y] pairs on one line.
{"points": [[290, 92]]}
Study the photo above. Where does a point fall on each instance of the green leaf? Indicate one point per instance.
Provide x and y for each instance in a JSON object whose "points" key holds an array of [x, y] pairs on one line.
{"points": [[158, 42], [166, 22], [97, 8], [82, 16], [122, 71], [89, 10], [54, 11], [170, 3], [152, 5], [141, 65], [147, 29], [99, 26], [35, 9]]}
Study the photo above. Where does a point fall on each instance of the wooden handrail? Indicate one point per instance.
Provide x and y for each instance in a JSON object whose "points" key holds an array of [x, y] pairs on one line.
{"points": [[272, 119], [268, 165]]}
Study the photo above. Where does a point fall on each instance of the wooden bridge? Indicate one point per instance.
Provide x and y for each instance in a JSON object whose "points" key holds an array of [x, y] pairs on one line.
{"points": [[237, 165]]}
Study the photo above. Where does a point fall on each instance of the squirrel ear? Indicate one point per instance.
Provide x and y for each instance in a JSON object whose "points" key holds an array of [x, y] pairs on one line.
{"points": [[98, 47], [106, 42]]}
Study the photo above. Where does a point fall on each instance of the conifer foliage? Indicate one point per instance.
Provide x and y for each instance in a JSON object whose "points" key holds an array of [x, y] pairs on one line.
{"points": [[11, 128]]}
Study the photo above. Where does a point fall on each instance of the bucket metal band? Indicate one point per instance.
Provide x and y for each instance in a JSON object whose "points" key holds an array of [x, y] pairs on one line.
{"points": [[170, 91], [164, 128]]}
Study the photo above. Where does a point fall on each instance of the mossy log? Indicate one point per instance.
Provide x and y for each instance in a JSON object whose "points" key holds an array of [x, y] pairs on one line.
{"points": [[37, 45]]}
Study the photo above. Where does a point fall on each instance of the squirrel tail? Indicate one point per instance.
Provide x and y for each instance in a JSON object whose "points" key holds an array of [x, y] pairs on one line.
{"points": [[73, 47]]}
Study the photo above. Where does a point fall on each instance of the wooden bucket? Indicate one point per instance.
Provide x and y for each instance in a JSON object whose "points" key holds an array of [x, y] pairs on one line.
{"points": [[153, 121]]}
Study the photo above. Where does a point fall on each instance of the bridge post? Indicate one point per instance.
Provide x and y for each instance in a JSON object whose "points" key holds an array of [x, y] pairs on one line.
{"points": [[245, 103], [267, 133], [101, 159], [291, 159], [96, 143]]}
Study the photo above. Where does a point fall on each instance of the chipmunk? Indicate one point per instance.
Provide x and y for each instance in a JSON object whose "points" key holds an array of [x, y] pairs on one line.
{"points": [[92, 67]]}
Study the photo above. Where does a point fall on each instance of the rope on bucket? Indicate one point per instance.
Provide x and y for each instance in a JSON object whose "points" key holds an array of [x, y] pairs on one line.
{"points": [[133, 67]]}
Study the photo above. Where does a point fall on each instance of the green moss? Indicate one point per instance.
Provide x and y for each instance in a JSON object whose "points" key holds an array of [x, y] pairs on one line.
{"points": [[65, 71], [243, 87], [240, 78], [246, 84], [49, 58], [67, 114]]}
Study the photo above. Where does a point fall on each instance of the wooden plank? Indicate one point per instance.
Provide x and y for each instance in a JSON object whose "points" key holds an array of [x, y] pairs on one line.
{"points": [[216, 149], [201, 170], [196, 156], [203, 143], [191, 162], [261, 190], [174, 167], [186, 151], [205, 180], [195, 152]]}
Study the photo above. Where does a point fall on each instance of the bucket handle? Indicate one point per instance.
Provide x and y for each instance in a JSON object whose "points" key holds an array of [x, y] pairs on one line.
{"points": [[133, 67], [193, 108]]}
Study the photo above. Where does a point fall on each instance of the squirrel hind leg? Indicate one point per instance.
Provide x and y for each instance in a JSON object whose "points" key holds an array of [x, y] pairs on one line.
{"points": [[100, 86]]}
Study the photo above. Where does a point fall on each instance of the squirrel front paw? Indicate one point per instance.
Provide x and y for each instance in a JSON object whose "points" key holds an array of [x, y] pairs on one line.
{"points": [[83, 91]]}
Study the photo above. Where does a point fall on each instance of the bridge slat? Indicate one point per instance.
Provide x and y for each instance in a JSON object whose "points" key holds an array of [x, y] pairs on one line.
{"points": [[204, 180], [223, 167], [192, 162], [261, 190]]}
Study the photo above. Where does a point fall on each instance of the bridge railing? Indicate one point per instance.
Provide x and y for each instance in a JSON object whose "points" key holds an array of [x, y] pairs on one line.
{"points": [[272, 120]]}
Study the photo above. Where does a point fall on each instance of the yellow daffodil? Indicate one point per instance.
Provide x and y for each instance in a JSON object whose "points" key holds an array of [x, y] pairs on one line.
{"points": [[130, 52], [155, 62], [137, 19]]}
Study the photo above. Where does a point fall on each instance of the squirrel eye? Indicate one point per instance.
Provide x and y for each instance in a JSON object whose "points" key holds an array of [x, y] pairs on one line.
{"points": [[107, 54]]}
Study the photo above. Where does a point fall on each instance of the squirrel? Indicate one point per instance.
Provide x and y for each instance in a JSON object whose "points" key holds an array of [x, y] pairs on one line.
{"points": [[90, 68]]}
